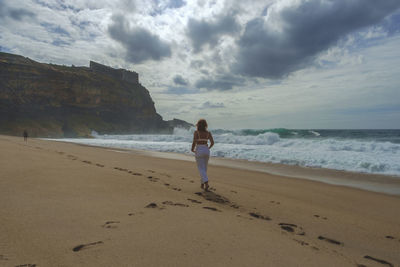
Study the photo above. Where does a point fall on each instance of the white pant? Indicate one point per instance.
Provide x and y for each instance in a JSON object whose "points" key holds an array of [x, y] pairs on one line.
{"points": [[202, 156]]}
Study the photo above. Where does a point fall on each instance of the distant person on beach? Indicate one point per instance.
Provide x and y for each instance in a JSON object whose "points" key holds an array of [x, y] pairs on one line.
{"points": [[25, 135], [202, 150]]}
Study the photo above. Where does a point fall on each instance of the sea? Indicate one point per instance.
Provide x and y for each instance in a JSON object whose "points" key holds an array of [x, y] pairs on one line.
{"points": [[364, 151]]}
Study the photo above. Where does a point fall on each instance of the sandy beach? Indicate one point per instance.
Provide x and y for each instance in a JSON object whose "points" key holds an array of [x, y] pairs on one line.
{"points": [[65, 204]]}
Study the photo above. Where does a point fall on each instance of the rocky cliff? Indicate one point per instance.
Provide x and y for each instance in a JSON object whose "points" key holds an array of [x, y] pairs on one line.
{"points": [[59, 101]]}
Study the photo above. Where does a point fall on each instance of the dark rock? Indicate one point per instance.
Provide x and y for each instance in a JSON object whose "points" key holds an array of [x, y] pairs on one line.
{"points": [[58, 101]]}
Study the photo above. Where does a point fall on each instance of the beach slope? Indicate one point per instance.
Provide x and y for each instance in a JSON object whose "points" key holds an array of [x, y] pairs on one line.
{"points": [[70, 205]]}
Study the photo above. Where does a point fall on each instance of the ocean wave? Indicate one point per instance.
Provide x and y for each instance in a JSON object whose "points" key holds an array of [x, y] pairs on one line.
{"points": [[342, 154]]}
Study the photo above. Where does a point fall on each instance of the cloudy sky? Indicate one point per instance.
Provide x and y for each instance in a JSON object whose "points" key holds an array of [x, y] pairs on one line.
{"points": [[239, 64]]}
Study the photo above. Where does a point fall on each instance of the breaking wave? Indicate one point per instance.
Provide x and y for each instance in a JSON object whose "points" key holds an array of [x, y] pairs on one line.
{"points": [[365, 151]]}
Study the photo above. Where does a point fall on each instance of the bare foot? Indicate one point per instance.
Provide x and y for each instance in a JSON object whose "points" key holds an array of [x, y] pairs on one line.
{"points": [[202, 186]]}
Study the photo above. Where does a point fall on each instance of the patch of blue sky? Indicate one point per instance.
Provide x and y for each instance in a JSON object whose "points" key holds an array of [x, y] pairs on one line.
{"points": [[173, 4], [392, 24], [81, 24], [58, 5], [70, 7], [325, 64], [388, 27], [176, 3], [4, 49], [53, 28], [59, 42]]}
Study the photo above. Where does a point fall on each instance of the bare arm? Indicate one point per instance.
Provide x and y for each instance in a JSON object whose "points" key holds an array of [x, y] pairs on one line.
{"points": [[211, 140], [194, 141]]}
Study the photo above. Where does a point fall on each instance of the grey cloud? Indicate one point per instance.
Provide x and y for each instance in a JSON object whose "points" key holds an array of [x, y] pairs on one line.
{"points": [[205, 72], [196, 64], [180, 90], [161, 6], [140, 44], [202, 32], [208, 104], [307, 29], [179, 80], [221, 82], [176, 3], [128, 5], [18, 14]]}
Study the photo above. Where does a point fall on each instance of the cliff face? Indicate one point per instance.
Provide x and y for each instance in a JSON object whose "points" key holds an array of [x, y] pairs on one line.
{"points": [[58, 101]]}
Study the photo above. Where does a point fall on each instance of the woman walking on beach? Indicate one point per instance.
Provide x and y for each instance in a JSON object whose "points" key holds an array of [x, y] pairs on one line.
{"points": [[202, 150]]}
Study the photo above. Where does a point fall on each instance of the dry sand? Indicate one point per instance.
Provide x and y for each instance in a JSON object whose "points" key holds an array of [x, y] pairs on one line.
{"points": [[70, 205]]}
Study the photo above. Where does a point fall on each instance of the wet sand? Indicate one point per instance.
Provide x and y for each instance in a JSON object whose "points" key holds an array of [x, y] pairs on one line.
{"points": [[71, 205]]}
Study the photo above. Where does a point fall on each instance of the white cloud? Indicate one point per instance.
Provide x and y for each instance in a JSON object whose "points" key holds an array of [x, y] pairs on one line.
{"points": [[358, 73]]}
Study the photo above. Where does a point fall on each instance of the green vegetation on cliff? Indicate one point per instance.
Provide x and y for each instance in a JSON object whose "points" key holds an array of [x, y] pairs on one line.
{"points": [[59, 101]]}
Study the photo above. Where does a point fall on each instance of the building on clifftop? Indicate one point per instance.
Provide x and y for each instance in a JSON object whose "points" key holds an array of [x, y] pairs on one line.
{"points": [[120, 74]]}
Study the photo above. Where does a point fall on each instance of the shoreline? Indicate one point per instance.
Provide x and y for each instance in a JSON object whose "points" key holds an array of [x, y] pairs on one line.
{"points": [[378, 183]]}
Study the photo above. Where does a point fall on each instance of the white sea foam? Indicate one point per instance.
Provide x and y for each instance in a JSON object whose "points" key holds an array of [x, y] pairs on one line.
{"points": [[345, 154]]}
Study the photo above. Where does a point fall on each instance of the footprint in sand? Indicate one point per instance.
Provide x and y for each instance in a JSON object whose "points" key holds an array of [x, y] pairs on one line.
{"points": [[132, 213], [319, 216], [301, 242], [121, 169], [136, 173], [259, 216], [86, 161], [194, 201], [72, 157], [151, 171], [233, 191], [275, 202], [392, 238], [174, 204], [26, 265], [152, 179], [378, 260], [3, 258], [110, 224], [85, 246], [211, 196], [211, 208], [99, 165], [176, 189], [292, 228], [330, 240]]}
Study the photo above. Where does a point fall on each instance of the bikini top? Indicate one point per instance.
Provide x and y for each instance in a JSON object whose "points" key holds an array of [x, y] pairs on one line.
{"points": [[202, 139]]}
